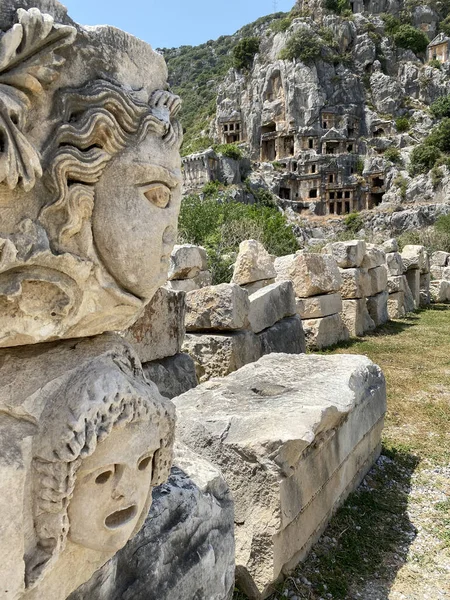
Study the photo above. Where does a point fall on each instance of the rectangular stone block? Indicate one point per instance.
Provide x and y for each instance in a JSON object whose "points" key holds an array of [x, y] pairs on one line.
{"points": [[356, 317], [311, 274], [375, 257], [251, 288], [292, 435], [394, 264], [396, 283], [186, 261], [160, 330], [425, 297], [271, 304], [325, 332], [440, 259], [217, 355], [377, 307], [173, 375], [253, 263], [317, 307], [396, 305], [285, 336], [378, 280], [348, 255], [217, 307], [436, 272], [203, 279], [413, 279], [410, 304], [416, 257], [440, 291], [355, 283]]}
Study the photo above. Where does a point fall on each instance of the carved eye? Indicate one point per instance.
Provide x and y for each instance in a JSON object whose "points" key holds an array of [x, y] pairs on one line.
{"points": [[144, 463], [159, 194], [103, 477]]}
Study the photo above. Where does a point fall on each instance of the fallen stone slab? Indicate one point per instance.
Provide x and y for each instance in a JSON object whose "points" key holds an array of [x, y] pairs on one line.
{"points": [[356, 318], [316, 307], [173, 375], [186, 261], [253, 263], [271, 304], [325, 332], [217, 307], [218, 354], [377, 307], [374, 257], [347, 254], [203, 279], [185, 549], [440, 291], [293, 435], [395, 264], [440, 259], [311, 274], [285, 336], [396, 305], [160, 330], [415, 257], [356, 283]]}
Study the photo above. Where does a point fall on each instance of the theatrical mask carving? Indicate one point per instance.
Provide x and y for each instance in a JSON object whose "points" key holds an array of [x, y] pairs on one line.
{"points": [[90, 183]]}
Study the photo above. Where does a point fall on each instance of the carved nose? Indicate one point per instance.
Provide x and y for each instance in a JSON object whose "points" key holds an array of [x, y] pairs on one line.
{"points": [[125, 484]]}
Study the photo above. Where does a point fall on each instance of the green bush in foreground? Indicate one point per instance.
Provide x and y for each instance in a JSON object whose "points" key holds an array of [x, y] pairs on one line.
{"points": [[441, 107], [410, 38], [402, 124], [220, 225], [353, 222], [423, 158], [244, 52]]}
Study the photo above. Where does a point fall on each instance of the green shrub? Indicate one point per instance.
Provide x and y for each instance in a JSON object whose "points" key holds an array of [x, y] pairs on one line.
{"points": [[443, 224], [393, 154], [220, 226], [338, 6], [423, 158], [410, 38], [391, 23], [229, 151], [360, 166], [441, 107], [244, 52], [440, 136], [436, 175], [435, 63], [302, 45], [353, 223], [402, 184], [281, 25], [211, 188], [445, 25], [402, 124]]}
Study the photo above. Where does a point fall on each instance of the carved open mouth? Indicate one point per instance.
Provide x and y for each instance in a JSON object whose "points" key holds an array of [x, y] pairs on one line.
{"points": [[121, 517]]}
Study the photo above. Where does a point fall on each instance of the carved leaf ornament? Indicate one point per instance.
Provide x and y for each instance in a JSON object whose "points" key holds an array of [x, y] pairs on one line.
{"points": [[29, 61]]}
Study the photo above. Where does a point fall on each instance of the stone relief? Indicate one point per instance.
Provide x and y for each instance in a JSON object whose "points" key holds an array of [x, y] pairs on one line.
{"points": [[102, 439], [88, 207]]}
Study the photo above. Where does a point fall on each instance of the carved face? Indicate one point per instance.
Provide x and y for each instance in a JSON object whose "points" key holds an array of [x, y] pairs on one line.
{"points": [[135, 215], [112, 488]]}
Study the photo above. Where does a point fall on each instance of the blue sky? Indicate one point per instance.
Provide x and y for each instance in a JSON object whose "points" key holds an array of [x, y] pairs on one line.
{"points": [[168, 23]]}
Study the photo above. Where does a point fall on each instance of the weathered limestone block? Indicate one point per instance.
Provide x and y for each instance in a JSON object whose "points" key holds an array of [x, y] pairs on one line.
{"points": [[374, 257], [425, 298], [311, 274], [440, 291], [187, 261], [390, 245], [271, 304], [415, 257], [217, 355], [285, 336], [378, 280], [396, 283], [217, 307], [356, 283], [377, 307], [394, 264], [160, 331], [185, 549], [253, 263], [68, 411], [317, 307], [348, 255], [257, 285], [321, 333], [356, 317], [86, 237], [413, 279], [293, 435], [446, 274], [410, 303], [436, 272], [396, 305], [173, 375], [203, 279], [440, 259]]}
